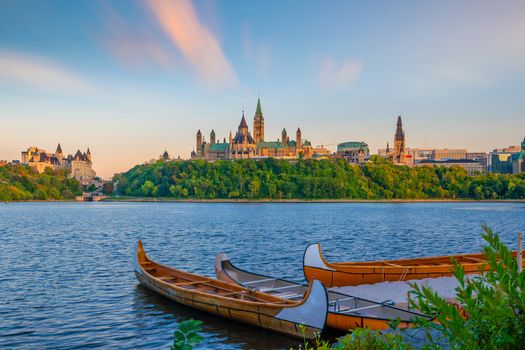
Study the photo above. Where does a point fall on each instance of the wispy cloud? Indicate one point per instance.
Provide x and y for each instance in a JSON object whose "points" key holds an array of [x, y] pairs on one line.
{"points": [[197, 43], [39, 73], [134, 45], [339, 76]]}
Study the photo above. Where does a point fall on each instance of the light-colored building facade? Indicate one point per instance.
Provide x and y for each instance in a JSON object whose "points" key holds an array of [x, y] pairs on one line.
{"points": [[446, 153], [80, 165]]}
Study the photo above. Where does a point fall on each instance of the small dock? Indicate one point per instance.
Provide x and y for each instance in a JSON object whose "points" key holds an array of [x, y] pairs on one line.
{"points": [[90, 197]]}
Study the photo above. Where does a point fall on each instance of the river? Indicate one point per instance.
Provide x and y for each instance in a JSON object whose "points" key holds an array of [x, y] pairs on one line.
{"points": [[66, 278]]}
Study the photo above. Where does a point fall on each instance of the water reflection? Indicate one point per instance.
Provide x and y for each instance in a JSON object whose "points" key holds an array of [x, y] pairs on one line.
{"points": [[66, 278], [218, 331]]}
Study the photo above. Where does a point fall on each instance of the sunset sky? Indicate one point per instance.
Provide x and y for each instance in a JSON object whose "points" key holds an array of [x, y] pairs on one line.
{"points": [[131, 78]]}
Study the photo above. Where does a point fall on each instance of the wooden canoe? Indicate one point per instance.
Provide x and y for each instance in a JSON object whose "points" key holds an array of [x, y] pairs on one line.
{"points": [[300, 318], [345, 311], [355, 273]]}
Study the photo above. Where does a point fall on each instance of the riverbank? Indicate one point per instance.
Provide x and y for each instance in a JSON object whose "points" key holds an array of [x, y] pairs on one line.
{"points": [[177, 200]]}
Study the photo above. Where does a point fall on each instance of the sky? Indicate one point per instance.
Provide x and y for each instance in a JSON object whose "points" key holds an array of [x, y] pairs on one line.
{"points": [[129, 79]]}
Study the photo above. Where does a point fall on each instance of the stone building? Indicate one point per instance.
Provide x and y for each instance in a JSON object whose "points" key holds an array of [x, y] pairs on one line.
{"points": [[243, 145], [80, 165], [353, 152]]}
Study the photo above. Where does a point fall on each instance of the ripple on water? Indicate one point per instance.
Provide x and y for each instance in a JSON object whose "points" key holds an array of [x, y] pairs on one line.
{"points": [[66, 278]]}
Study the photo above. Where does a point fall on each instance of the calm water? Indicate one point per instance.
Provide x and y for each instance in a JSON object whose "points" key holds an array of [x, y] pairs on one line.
{"points": [[66, 277]]}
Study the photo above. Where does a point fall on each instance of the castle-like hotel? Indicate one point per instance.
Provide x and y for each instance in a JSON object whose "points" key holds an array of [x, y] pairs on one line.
{"points": [[243, 145], [79, 165]]}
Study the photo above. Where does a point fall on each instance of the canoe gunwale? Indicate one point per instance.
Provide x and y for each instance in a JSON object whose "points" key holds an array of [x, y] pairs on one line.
{"points": [[379, 304], [391, 264]]}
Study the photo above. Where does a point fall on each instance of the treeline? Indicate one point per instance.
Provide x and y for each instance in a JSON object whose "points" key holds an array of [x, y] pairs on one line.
{"points": [[20, 182], [312, 179]]}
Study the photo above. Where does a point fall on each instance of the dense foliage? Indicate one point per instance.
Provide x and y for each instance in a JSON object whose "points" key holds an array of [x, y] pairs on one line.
{"points": [[187, 335], [491, 313], [312, 179], [20, 182]]}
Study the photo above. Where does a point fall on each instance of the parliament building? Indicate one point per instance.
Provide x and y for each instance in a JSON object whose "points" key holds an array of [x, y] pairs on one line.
{"points": [[243, 145]]}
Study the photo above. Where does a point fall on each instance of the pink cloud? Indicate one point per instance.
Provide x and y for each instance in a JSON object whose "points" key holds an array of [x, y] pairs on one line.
{"points": [[199, 45], [339, 76], [134, 45], [39, 73]]}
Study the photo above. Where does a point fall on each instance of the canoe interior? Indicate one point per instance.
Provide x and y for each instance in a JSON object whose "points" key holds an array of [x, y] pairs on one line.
{"points": [[196, 283], [338, 303]]}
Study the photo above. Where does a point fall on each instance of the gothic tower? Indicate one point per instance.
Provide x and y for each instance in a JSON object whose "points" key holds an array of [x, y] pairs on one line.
{"points": [[258, 124], [88, 155], [212, 137], [399, 143], [298, 139], [199, 144], [284, 138]]}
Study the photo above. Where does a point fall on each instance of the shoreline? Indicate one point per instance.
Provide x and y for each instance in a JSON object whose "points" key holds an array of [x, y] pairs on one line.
{"points": [[226, 200], [170, 200]]}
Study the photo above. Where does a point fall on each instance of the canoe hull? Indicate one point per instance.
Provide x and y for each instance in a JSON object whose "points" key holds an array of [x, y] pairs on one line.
{"points": [[349, 274], [285, 320]]}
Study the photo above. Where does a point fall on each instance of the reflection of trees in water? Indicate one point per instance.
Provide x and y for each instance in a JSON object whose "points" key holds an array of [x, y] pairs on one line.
{"points": [[156, 318]]}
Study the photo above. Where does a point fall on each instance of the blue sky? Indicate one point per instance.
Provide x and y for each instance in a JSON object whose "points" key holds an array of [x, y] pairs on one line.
{"points": [[129, 78]]}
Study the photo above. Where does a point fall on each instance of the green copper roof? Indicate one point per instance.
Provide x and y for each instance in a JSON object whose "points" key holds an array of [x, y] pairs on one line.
{"points": [[270, 144], [258, 111], [219, 147], [352, 145], [275, 144]]}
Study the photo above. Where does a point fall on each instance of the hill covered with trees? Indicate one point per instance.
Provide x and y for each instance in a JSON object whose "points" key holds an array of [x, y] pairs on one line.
{"points": [[20, 182], [312, 179]]}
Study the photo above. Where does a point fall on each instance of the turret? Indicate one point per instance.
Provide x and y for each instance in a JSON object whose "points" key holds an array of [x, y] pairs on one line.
{"points": [[400, 134], [298, 139], [258, 124], [199, 143], [284, 136], [88, 155], [523, 144], [212, 137]]}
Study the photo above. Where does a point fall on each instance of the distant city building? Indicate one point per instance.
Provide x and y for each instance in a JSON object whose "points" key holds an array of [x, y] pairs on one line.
{"points": [[165, 156], [243, 145], [79, 165], [480, 157], [500, 160], [518, 160], [439, 154], [471, 166], [353, 152], [3, 162]]}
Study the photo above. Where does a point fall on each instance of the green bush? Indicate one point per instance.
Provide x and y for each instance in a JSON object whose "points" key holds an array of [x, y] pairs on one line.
{"points": [[492, 305], [187, 335]]}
